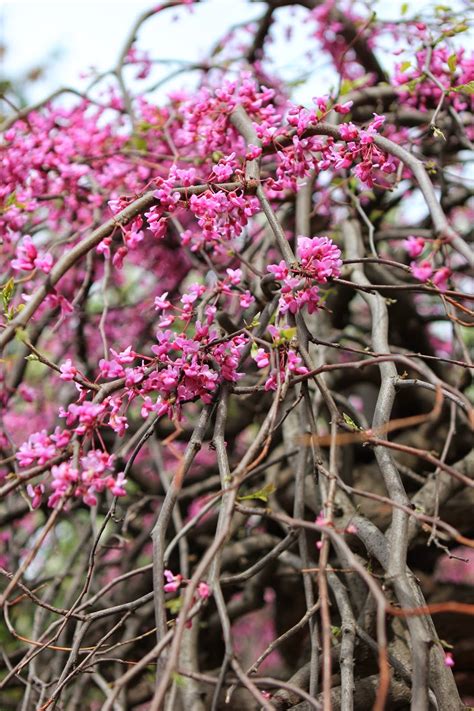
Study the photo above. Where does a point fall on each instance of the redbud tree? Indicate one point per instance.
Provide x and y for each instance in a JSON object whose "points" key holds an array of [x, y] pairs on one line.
{"points": [[235, 465]]}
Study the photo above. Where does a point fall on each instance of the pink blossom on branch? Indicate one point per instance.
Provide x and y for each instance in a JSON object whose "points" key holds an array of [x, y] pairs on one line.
{"points": [[414, 246], [173, 582]]}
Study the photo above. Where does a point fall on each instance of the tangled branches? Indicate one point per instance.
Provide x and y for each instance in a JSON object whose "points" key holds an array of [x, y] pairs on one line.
{"points": [[236, 380]]}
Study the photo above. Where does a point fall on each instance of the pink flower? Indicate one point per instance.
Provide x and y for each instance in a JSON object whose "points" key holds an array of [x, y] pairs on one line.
{"points": [[348, 131], [246, 299], [271, 383], [173, 581], [274, 332], [309, 297], [44, 262], [376, 123], [203, 590], [343, 108], [262, 358], [162, 303], [38, 447], [414, 246], [280, 270], [26, 392], [126, 356], [36, 494], [253, 152], [64, 477], [321, 103], [235, 276], [321, 519], [110, 369], [294, 364], [118, 487], [133, 376], [421, 271], [448, 660], [440, 278], [28, 257], [320, 258], [68, 371]]}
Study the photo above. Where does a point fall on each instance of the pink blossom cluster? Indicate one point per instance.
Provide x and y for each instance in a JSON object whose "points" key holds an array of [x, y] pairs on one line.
{"points": [[40, 447], [452, 70], [141, 60], [206, 116], [424, 269], [68, 481], [319, 259], [221, 217], [66, 170], [373, 164], [184, 367], [86, 482], [174, 582], [38, 160], [28, 257], [285, 363]]}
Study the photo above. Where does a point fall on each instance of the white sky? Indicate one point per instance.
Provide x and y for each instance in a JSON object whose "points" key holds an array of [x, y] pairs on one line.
{"points": [[76, 34], [87, 32]]}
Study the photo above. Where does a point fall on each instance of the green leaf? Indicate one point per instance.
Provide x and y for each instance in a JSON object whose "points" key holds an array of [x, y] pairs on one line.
{"points": [[21, 333], [5, 86], [31, 357], [10, 313], [255, 321], [462, 27], [412, 84], [464, 88], [174, 605], [352, 184], [261, 494], [404, 66], [375, 214], [452, 62], [138, 143], [7, 292], [404, 8], [145, 126], [287, 334], [346, 87], [350, 422], [11, 199], [216, 156]]}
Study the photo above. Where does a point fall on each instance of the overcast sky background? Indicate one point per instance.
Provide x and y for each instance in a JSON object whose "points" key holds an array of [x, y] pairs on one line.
{"points": [[76, 34]]}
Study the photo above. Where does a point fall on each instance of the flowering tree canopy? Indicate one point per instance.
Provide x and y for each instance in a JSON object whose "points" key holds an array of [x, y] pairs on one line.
{"points": [[235, 381]]}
